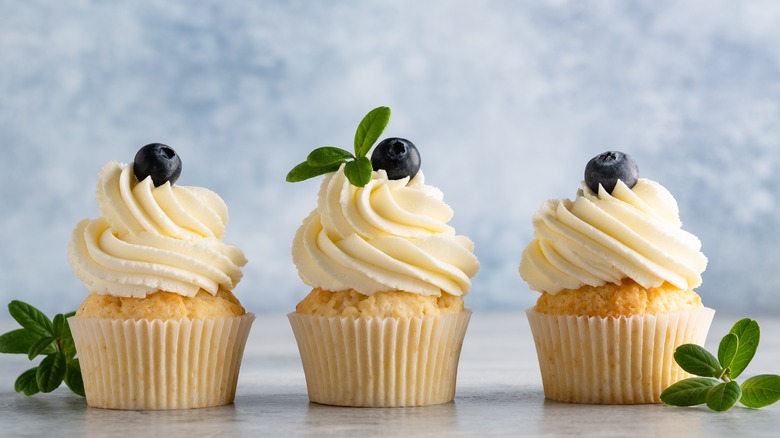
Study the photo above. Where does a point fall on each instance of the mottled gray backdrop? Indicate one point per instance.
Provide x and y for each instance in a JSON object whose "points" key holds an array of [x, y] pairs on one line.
{"points": [[506, 101]]}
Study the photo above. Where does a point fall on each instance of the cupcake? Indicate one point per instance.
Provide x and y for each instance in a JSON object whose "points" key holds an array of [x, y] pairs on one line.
{"points": [[161, 328], [616, 274], [385, 320]]}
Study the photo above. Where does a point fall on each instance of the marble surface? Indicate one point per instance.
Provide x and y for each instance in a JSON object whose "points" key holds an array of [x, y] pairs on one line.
{"points": [[499, 393]]}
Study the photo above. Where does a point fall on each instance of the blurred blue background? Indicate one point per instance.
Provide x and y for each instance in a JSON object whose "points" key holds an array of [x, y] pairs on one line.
{"points": [[506, 100]]}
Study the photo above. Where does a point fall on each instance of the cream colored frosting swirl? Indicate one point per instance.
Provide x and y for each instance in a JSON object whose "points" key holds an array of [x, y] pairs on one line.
{"points": [[387, 235], [150, 238], [597, 239]]}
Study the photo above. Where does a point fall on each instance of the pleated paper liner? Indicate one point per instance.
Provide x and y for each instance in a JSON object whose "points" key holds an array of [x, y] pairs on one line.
{"points": [[380, 362], [625, 360], [152, 365]]}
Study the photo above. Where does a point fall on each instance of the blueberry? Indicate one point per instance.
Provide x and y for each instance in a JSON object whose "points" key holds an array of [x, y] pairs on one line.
{"points": [[158, 160], [397, 156], [609, 167]]}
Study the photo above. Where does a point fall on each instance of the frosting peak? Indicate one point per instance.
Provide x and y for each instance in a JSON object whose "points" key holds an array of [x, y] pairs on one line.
{"points": [[603, 238], [387, 235], [150, 238]]}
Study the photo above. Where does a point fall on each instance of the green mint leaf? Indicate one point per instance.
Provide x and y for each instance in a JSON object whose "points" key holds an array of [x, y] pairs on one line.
{"points": [[30, 318], [727, 350], [759, 391], [17, 341], [58, 325], [50, 372], [723, 396], [749, 334], [68, 315], [67, 345], [688, 392], [358, 172], [369, 130], [26, 383], [305, 171], [696, 360], [327, 155], [44, 344], [73, 377]]}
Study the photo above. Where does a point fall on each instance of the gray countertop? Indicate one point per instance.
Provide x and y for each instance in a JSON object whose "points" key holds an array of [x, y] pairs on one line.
{"points": [[499, 393]]}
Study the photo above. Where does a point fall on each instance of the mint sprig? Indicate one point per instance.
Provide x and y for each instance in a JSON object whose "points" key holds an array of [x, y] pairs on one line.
{"points": [[328, 159], [40, 335], [716, 386]]}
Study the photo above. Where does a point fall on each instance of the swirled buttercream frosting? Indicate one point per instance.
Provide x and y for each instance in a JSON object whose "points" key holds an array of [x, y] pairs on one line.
{"points": [[388, 235], [604, 238], [149, 239]]}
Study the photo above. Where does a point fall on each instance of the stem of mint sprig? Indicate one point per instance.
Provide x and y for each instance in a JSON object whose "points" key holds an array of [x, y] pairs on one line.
{"points": [[715, 385], [38, 336], [328, 159]]}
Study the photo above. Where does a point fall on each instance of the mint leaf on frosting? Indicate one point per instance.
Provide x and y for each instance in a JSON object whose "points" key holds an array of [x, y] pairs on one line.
{"points": [[328, 159], [328, 155], [358, 172], [305, 171], [370, 128], [716, 387], [40, 335]]}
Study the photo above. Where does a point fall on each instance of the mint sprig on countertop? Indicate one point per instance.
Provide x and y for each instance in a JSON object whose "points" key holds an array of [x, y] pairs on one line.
{"points": [[328, 159], [716, 386], [40, 335]]}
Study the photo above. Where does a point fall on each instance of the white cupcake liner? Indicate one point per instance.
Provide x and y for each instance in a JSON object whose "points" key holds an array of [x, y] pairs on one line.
{"points": [[380, 362], [151, 365], [625, 360]]}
